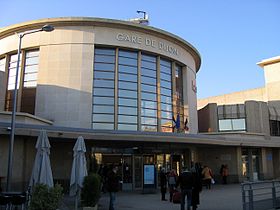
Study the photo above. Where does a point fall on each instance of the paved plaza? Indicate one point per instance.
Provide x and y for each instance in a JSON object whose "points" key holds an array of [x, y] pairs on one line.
{"points": [[220, 197]]}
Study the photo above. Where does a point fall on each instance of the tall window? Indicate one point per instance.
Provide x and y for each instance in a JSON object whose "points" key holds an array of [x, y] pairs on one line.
{"points": [[30, 82], [148, 93], [103, 89], [127, 90], [11, 81], [179, 107], [166, 95], [2, 64]]}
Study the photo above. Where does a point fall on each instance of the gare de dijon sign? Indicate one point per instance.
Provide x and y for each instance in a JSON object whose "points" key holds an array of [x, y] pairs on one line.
{"points": [[135, 39]]}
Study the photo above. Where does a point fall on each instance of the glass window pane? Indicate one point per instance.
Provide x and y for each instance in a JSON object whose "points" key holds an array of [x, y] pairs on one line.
{"points": [[238, 124], [150, 58], [103, 83], [148, 80], [103, 126], [127, 102], [127, 61], [149, 112], [149, 73], [148, 120], [128, 110], [103, 92], [104, 66], [103, 117], [128, 85], [128, 127], [149, 104], [167, 115], [128, 69], [103, 75], [166, 123], [165, 63], [165, 99], [165, 84], [148, 96], [166, 107], [103, 100], [128, 54], [103, 109], [165, 91], [30, 77], [31, 69], [148, 65], [128, 77], [32, 61], [149, 128], [225, 125], [165, 70], [30, 84], [127, 94], [148, 88], [104, 51], [34, 53], [2, 64], [104, 59], [165, 77], [127, 119]]}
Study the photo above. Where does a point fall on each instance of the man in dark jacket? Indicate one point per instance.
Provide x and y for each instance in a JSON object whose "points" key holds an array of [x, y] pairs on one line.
{"points": [[112, 185], [163, 182], [186, 182]]}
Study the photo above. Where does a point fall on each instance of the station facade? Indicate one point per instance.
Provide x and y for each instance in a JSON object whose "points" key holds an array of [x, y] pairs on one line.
{"points": [[129, 90]]}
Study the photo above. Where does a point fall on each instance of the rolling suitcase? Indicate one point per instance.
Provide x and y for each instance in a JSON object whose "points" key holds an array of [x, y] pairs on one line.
{"points": [[176, 198]]}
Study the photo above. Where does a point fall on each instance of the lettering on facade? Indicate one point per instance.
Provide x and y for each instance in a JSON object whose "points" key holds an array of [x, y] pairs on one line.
{"points": [[135, 39]]}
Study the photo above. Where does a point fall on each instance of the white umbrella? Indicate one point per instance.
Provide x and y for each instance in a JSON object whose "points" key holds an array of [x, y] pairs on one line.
{"points": [[42, 172], [79, 169]]}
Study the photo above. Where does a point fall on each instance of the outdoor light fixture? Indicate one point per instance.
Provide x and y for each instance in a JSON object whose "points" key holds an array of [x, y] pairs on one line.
{"points": [[47, 28]]}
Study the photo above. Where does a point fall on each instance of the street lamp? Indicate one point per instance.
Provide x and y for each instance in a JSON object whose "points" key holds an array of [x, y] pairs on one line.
{"points": [[47, 28]]}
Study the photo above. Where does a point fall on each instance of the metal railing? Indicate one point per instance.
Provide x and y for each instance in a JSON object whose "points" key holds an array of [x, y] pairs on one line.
{"points": [[261, 195]]}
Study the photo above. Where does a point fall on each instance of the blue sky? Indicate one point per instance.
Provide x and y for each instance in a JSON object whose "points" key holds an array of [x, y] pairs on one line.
{"points": [[231, 35]]}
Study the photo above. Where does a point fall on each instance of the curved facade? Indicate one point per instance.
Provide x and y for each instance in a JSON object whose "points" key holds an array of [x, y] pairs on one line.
{"points": [[101, 74]]}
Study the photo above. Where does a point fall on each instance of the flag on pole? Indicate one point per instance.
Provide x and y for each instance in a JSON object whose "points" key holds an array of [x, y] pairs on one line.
{"points": [[177, 121]]}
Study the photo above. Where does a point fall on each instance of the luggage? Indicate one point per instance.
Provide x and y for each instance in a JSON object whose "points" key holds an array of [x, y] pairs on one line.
{"points": [[176, 198]]}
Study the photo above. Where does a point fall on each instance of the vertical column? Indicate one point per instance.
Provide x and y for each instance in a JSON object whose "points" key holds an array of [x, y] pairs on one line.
{"points": [[139, 92], [116, 91], [158, 96]]}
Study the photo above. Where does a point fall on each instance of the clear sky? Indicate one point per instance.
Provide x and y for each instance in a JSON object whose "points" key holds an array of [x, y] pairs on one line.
{"points": [[231, 35]]}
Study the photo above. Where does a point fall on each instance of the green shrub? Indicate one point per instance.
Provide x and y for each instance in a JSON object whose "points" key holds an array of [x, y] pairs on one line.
{"points": [[91, 190], [45, 198]]}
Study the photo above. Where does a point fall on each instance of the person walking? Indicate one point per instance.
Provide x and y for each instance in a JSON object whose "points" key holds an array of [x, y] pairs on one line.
{"points": [[186, 182], [207, 176], [172, 178], [225, 174], [112, 185], [163, 182], [197, 171]]}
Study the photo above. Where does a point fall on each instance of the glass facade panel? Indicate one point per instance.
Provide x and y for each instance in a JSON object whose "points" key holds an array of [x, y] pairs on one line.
{"points": [[103, 109], [238, 124], [149, 121], [128, 110], [128, 127], [103, 126], [128, 69], [148, 112], [232, 125], [103, 89], [127, 102], [127, 119], [104, 85], [127, 93], [148, 88], [103, 100]]}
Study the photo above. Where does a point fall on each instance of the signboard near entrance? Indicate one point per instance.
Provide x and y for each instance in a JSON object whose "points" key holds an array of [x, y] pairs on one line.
{"points": [[149, 176]]}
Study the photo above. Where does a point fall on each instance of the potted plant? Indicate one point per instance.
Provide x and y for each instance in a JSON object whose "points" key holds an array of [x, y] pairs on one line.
{"points": [[91, 192], [45, 198]]}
